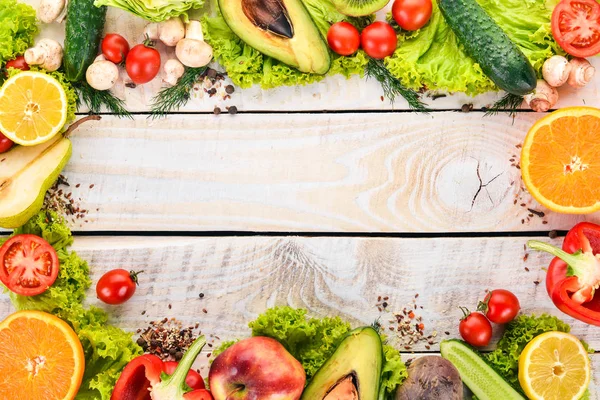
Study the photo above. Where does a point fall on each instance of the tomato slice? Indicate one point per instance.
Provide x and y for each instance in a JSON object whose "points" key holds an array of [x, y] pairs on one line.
{"points": [[576, 27], [28, 265]]}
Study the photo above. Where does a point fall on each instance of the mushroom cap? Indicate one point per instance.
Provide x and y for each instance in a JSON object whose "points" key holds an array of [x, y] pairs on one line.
{"points": [[556, 70], [102, 75], [193, 53]]}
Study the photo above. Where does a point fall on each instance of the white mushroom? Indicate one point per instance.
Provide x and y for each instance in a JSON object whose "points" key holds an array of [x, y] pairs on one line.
{"points": [[47, 53], [543, 98], [582, 72], [173, 70], [193, 51], [52, 10], [170, 32], [102, 75], [556, 71]]}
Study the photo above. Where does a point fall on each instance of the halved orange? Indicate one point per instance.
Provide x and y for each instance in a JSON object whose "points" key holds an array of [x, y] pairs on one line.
{"points": [[33, 108], [40, 357], [560, 160]]}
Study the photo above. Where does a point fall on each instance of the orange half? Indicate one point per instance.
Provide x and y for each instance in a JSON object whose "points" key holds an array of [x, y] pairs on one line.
{"points": [[40, 357], [560, 160]]}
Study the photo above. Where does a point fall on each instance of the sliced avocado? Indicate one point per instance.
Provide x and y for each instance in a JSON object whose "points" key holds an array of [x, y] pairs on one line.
{"points": [[282, 29], [353, 372]]}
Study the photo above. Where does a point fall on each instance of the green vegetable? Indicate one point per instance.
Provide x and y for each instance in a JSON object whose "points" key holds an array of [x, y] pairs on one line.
{"points": [[83, 33], [18, 27], [154, 10], [475, 372], [247, 66], [432, 57], [107, 348]]}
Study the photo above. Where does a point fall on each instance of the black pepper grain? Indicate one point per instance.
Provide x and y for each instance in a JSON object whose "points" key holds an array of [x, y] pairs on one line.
{"points": [[229, 89], [233, 110], [217, 111]]}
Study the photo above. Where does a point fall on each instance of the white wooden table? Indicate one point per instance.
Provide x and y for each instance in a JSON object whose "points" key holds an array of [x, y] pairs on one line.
{"points": [[322, 197]]}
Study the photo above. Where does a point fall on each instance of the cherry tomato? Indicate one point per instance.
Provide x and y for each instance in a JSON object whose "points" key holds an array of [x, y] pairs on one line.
{"points": [[379, 40], [475, 329], [5, 143], [115, 48], [193, 379], [576, 27], [500, 306], [200, 394], [343, 38], [142, 63], [28, 265], [117, 286], [411, 15], [18, 63]]}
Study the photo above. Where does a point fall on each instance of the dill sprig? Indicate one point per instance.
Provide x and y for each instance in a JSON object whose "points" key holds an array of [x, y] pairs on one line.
{"points": [[392, 87], [175, 97], [509, 103], [95, 99]]}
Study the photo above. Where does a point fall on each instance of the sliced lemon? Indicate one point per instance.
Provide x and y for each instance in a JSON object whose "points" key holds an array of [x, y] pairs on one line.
{"points": [[554, 366], [33, 108]]}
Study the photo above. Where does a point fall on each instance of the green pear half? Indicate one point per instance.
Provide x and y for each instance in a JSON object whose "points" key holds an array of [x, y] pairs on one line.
{"points": [[26, 173]]}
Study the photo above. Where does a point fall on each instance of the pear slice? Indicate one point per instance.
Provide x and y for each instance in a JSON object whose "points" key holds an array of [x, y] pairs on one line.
{"points": [[25, 175]]}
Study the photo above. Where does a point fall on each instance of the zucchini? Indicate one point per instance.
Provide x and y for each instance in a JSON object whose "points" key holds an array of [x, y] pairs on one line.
{"points": [[475, 372], [484, 41], [83, 32]]}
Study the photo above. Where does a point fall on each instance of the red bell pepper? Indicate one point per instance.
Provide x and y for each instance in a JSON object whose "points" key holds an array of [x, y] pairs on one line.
{"points": [[144, 378], [574, 274]]}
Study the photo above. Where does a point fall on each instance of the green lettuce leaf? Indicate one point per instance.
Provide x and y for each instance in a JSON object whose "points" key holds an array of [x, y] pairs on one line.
{"points": [[247, 66], [394, 371], [154, 10], [432, 58], [18, 27]]}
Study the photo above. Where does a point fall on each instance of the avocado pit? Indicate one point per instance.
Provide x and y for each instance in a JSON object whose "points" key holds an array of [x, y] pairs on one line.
{"points": [[269, 15], [345, 389]]}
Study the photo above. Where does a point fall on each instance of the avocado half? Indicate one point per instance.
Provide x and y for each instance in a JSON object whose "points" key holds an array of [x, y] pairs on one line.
{"points": [[282, 29], [353, 372]]}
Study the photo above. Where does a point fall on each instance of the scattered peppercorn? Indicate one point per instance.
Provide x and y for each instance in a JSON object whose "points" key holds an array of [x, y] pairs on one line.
{"points": [[217, 111], [233, 110], [229, 89], [167, 339]]}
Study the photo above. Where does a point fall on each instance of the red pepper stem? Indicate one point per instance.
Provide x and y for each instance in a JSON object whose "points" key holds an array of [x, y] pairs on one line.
{"points": [[571, 259], [178, 377]]}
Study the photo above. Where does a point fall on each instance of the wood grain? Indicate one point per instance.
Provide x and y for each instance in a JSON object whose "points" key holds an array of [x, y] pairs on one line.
{"points": [[444, 172], [334, 93]]}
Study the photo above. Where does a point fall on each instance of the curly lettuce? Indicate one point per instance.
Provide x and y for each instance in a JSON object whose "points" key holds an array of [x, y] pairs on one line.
{"points": [[154, 10], [107, 348], [432, 58], [18, 27], [246, 66]]}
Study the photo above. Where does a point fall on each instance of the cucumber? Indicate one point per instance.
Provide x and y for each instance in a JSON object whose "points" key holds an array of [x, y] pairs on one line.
{"points": [[484, 41], [83, 32], [474, 371]]}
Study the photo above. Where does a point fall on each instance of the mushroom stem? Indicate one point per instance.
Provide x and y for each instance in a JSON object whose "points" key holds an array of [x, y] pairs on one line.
{"points": [[193, 51], [193, 30], [556, 71], [173, 70], [581, 73], [50, 10], [47, 53], [543, 98]]}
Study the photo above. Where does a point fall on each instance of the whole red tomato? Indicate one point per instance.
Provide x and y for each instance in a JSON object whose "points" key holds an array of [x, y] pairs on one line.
{"points": [[379, 40], [117, 286], [500, 306], [411, 15], [5, 143], [115, 48], [343, 38], [576, 27], [193, 379], [142, 63], [28, 265], [475, 329], [18, 63]]}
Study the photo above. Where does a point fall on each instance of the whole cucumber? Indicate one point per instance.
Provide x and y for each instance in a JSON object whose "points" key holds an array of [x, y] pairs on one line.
{"points": [[484, 41], [83, 32]]}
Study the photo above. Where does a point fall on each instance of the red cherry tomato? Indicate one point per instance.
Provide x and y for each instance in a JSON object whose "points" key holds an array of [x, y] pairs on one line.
{"points": [[117, 286], [200, 394], [411, 15], [343, 38], [115, 48], [142, 63], [576, 27], [28, 265], [379, 40], [193, 379], [18, 63], [475, 329], [500, 306], [5, 143]]}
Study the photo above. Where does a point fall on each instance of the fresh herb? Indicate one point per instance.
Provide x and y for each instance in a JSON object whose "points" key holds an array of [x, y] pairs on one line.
{"points": [[509, 103], [96, 99], [392, 87], [175, 97]]}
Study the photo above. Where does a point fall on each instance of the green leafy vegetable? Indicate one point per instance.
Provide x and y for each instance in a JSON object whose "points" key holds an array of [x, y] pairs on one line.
{"points": [[394, 371], [18, 27], [154, 10], [432, 58], [107, 348], [247, 66]]}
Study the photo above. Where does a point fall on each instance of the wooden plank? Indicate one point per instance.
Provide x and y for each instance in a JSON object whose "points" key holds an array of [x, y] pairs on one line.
{"points": [[242, 276], [333, 173], [334, 93]]}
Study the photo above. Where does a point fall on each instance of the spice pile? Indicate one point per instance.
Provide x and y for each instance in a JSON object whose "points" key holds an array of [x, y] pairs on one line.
{"points": [[61, 200], [168, 338]]}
